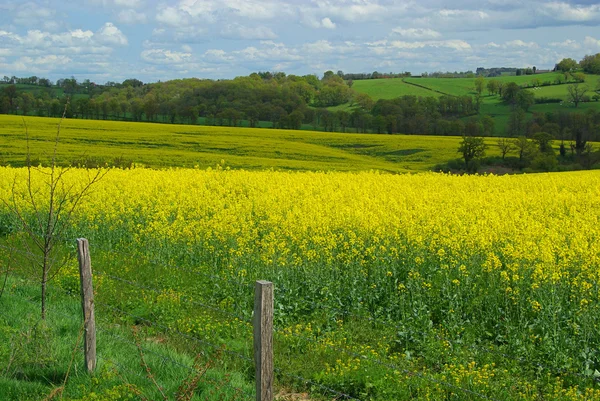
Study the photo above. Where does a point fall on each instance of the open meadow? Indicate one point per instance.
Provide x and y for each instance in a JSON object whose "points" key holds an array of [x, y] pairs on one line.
{"points": [[387, 287]]}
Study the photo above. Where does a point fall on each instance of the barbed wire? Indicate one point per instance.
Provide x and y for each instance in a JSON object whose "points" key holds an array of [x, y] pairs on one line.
{"points": [[160, 263], [183, 297], [165, 358], [476, 347], [177, 332], [390, 366], [339, 394]]}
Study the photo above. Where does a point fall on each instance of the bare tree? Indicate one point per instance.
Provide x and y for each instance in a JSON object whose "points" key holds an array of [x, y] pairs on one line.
{"points": [[506, 146], [576, 93], [44, 211]]}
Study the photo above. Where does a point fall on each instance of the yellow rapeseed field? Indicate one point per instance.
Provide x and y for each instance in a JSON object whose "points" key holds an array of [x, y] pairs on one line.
{"points": [[509, 264]]}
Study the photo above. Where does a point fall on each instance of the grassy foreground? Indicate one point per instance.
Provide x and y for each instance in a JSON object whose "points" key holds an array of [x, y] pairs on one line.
{"points": [[166, 145], [43, 360]]}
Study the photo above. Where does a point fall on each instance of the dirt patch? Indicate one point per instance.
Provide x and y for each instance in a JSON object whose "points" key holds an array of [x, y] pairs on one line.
{"points": [[286, 395]]}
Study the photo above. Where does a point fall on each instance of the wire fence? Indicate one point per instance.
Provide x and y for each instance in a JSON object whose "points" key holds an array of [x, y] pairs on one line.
{"points": [[111, 311], [108, 331]]}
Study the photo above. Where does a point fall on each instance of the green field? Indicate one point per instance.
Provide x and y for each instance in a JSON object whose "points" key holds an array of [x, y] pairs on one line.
{"points": [[491, 105], [466, 86], [390, 88], [167, 145]]}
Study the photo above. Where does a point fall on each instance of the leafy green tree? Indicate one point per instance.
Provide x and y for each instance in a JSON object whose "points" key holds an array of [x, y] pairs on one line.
{"points": [[492, 86], [516, 122], [591, 64], [364, 101], [26, 101], [509, 92], [544, 142], [525, 99], [488, 125], [479, 85], [566, 65], [471, 149], [295, 119]]}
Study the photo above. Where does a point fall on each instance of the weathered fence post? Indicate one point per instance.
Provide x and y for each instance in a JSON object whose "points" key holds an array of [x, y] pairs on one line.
{"points": [[87, 303], [263, 340]]}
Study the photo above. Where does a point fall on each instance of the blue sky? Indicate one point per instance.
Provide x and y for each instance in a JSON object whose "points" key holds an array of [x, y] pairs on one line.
{"points": [[111, 40]]}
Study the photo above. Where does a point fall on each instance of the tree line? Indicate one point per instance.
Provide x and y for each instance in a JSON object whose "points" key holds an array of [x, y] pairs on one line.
{"points": [[278, 100]]}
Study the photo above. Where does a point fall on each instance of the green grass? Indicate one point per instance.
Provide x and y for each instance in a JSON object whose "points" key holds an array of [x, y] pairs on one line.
{"points": [[390, 88], [38, 356], [165, 145], [466, 86], [491, 105]]}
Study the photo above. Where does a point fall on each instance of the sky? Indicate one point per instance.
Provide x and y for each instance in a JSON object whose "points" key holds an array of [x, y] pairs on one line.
{"points": [[112, 40]]}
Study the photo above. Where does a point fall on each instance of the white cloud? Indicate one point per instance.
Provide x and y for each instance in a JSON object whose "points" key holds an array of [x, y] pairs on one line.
{"points": [[570, 12], [591, 42], [566, 44], [36, 43], [35, 15], [112, 4], [129, 3], [173, 17], [109, 34], [321, 46], [162, 56], [217, 55], [519, 43], [327, 23], [188, 12], [417, 33], [130, 16], [186, 48], [237, 31], [459, 45]]}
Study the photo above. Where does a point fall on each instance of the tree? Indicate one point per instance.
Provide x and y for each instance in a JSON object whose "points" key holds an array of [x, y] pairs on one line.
{"points": [[471, 148], [295, 119], [492, 86], [364, 101], [488, 125], [479, 85], [591, 64], [509, 92], [516, 122], [25, 101], [506, 146], [578, 77], [566, 65], [525, 148], [577, 93], [544, 142], [44, 205], [525, 99]]}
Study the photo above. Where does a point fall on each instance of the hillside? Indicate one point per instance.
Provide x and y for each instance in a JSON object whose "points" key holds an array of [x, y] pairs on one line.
{"points": [[491, 104], [167, 145]]}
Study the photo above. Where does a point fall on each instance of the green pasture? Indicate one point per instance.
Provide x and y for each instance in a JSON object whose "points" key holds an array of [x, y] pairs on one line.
{"points": [[466, 86], [168, 145], [390, 88]]}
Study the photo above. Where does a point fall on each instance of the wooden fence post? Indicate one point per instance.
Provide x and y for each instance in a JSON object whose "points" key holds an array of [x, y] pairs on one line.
{"points": [[87, 303], [263, 340]]}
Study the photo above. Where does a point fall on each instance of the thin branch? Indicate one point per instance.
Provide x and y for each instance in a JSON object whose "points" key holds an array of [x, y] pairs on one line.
{"points": [[145, 365]]}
